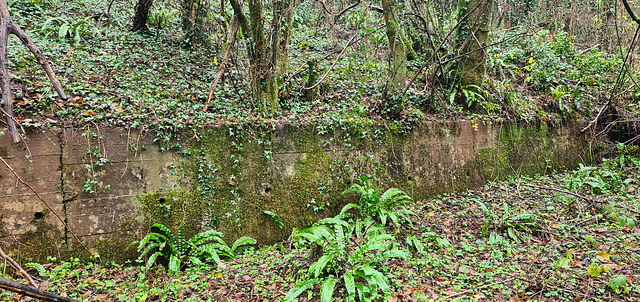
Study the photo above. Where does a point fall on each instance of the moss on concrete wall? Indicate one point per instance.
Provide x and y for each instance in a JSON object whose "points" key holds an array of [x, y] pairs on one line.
{"points": [[229, 176]]}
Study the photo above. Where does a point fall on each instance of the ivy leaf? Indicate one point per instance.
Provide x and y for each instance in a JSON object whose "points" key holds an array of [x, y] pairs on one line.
{"points": [[616, 283], [594, 270]]}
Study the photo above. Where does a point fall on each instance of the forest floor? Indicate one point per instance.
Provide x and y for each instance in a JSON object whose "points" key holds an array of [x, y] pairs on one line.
{"points": [[564, 237]]}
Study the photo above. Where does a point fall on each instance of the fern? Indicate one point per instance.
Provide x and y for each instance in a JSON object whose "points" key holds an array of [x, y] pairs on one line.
{"points": [[275, 217], [352, 251], [388, 206], [202, 248]]}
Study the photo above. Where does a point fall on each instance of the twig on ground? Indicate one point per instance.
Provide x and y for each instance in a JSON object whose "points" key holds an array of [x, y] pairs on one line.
{"points": [[18, 268], [477, 288], [565, 192]]}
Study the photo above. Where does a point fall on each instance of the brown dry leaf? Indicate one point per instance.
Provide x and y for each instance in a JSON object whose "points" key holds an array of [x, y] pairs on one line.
{"points": [[466, 270]]}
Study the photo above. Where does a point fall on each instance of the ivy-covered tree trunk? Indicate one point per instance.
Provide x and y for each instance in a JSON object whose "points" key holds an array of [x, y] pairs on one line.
{"points": [[263, 79], [141, 15], [286, 9], [471, 39], [394, 103], [194, 17]]}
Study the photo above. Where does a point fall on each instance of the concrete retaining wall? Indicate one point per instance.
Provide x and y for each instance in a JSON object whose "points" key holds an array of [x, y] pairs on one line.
{"points": [[231, 177]]}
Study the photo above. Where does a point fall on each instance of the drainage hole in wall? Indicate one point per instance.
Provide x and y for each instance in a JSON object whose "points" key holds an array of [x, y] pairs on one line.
{"points": [[162, 200], [38, 215]]}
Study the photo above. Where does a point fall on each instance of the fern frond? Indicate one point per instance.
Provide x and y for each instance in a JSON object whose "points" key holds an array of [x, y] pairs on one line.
{"points": [[242, 241], [299, 288], [326, 291], [318, 267]]}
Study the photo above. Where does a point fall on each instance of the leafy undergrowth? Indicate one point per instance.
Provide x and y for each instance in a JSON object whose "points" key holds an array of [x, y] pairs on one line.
{"points": [[151, 82], [564, 237]]}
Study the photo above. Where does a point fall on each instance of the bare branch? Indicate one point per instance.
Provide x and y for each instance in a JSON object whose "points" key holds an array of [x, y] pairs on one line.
{"points": [[46, 204], [223, 64], [31, 292]]}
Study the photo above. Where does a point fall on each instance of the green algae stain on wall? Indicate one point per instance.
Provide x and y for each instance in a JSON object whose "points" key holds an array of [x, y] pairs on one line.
{"points": [[528, 150], [230, 176], [237, 176]]}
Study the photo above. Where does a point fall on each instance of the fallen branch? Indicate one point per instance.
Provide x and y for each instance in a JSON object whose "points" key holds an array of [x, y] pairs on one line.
{"points": [[7, 27], [45, 203], [223, 64], [590, 48], [19, 268], [565, 192], [31, 292]]}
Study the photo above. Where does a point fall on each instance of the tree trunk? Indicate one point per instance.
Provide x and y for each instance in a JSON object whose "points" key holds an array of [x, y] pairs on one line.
{"points": [[194, 15], [287, 8], [312, 78], [263, 80], [7, 27], [471, 39], [398, 51], [141, 15]]}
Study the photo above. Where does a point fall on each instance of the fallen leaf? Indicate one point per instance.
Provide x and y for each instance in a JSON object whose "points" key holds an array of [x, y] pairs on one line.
{"points": [[603, 255]]}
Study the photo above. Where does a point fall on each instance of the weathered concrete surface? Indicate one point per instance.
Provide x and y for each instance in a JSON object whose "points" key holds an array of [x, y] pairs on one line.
{"points": [[37, 162], [132, 170], [231, 177]]}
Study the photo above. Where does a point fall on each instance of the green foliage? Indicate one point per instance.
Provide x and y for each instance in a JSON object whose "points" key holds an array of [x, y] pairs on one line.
{"points": [[473, 94], [383, 207], [618, 284], [510, 222], [610, 177], [65, 28], [424, 244], [39, 267], [352, 254], [275, 217], [204, 247]]}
